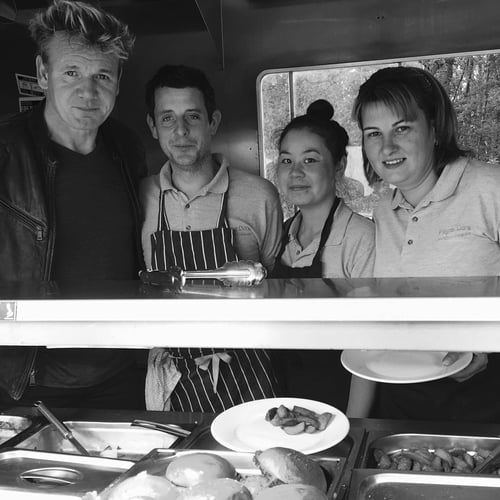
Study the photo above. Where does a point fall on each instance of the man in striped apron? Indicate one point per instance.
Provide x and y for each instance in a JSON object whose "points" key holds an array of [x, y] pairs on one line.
{"points": [[199, 215]]}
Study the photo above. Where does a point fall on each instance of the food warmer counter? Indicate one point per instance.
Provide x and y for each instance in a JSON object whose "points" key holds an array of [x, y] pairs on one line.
{"points": [[350, 466], [425, 314]]}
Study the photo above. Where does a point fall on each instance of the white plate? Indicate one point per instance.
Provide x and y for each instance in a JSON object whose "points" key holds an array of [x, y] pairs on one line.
{"points": [[401, 367], [244, 428]]}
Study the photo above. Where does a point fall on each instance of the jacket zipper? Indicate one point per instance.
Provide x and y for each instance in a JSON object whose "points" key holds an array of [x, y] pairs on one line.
{"points": [[32, 224], [51, 171]]}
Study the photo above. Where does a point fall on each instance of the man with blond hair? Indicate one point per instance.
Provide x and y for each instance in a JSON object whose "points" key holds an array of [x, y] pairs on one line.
{"points": [[68, 205]]}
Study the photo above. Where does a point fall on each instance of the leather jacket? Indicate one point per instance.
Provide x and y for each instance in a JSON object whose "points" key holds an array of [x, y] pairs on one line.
{"points": [[27, 213]]}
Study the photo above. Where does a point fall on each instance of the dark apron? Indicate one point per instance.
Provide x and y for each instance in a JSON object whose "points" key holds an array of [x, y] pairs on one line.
{"points": [[312, 374], [475, 400], [249, 373]]}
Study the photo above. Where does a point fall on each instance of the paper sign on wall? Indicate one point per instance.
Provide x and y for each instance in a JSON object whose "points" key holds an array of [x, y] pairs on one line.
{"points": [[28, 85], [26, 103]]}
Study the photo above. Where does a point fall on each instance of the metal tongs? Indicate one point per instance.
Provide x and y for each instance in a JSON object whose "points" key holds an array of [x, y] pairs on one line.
{"points": [[240, 273], [67, 434], [173, 429], [494, 454]]}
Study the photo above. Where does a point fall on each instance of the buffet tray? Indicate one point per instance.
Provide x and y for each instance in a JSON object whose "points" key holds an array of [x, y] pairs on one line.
{"points": [[100, 439], [349, 450], [28, 473], [156, 463], [369, 484], [11, 426], [392, 444]]}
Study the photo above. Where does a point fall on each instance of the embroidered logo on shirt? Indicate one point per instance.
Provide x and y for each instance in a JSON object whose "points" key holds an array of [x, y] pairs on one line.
{"points": [[457, 231], [242, 228]]}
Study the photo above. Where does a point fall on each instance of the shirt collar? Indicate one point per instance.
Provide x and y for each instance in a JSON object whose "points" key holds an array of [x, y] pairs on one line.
{"points": [[445, 186], [218, 184]]}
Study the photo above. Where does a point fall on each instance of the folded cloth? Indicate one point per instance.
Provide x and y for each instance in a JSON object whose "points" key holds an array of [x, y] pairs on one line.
{"points": [[203, 362], [161, 378]]}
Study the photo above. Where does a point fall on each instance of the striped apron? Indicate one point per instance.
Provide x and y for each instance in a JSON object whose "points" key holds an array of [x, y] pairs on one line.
{"points": [[244, 374]]}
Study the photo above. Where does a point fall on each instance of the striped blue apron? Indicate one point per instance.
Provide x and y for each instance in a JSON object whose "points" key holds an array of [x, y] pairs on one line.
{"points": [[244, 374]]}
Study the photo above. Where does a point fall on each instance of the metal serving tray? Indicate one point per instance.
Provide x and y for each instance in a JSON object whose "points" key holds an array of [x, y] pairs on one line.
{"points": [[11, 426], [395, 443], [349, 449], [157, 461], [101, 439], [377, 485], [37, 474]]}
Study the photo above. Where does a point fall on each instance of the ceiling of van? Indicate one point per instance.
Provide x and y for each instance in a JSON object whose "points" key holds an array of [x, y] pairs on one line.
{"points": [[143, 16]]}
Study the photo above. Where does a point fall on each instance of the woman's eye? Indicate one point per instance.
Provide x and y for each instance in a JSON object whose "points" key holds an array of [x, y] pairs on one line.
{"points": [[285, 161], [310, 160], [70, 72], [372, 134], [402, 129]]}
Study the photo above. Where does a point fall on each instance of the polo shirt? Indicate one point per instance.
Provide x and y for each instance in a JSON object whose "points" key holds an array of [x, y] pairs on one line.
{"points": [[453, 231], [253, 210], [349, 250]]}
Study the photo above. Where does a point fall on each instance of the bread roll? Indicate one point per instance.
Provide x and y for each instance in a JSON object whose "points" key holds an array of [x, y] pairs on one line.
{"points": [[144, 486], [284, 465], [191, 469], [291, 492], [217, 489]]}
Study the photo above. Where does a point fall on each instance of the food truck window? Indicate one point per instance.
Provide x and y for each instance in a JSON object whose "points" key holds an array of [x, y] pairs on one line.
{"points": [[472, 81]]}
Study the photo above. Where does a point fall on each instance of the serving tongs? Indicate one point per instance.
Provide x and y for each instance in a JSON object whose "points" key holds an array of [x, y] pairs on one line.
{"points": [[492, 457], [240, 273], [172, 429], [66, 433]]}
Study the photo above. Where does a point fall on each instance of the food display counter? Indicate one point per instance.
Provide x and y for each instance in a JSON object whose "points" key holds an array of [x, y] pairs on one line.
{"points": [[350, 466], [395, 314]]}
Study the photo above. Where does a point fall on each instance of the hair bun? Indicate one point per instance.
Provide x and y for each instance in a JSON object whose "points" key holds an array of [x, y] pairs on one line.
{"points": [[320, 109]]}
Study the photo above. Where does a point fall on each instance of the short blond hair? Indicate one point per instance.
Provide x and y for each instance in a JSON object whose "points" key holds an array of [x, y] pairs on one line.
{"points": [[84, 22]]}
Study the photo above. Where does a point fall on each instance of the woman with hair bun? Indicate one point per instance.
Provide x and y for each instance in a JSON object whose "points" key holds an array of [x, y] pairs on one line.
{"points": [[324, 239]]}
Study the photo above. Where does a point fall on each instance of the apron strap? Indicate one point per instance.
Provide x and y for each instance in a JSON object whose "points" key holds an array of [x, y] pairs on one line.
{"points": [[326, 231], [285, 238], [222, 221], [162, 224]]}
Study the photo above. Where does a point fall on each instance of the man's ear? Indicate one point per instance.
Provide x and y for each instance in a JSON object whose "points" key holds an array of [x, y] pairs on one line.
{"points": [[341, 168], [152, 126], [215, 121], [42, 73]]}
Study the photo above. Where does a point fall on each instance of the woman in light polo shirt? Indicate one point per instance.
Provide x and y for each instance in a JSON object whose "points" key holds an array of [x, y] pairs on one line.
{"points": [[324, 239], [442, 219]]}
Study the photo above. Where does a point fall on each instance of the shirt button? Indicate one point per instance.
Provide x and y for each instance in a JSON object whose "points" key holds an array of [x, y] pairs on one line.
{"points": [[188, 205], [188, 228], [414, 219], [410, 242]]}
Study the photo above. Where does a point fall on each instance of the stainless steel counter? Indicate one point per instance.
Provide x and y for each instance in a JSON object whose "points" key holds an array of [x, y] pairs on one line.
{"points": [[461, 314]]}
